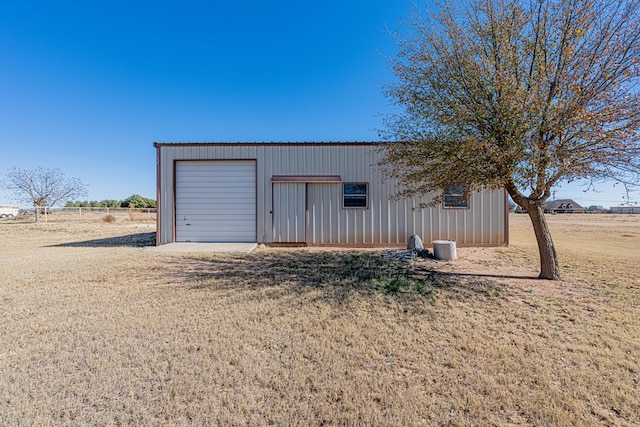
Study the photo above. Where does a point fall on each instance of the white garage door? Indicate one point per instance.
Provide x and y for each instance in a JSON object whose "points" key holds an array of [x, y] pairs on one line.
{"points": [[216, 201]]}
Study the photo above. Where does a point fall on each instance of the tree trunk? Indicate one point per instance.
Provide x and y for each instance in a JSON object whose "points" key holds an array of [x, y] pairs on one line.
{"points": [[549, 265]]}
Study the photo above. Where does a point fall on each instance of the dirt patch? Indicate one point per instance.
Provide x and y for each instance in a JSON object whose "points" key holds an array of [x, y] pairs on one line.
{"points": [[492, 264]]}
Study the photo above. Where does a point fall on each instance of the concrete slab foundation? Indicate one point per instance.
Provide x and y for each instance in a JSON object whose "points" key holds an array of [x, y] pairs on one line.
{"points": [[203, 247]]}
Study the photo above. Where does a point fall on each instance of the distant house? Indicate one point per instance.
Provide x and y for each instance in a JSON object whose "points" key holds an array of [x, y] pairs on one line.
{"points": [[563, 206], [308, 193], [625, 209], [597, 209]]}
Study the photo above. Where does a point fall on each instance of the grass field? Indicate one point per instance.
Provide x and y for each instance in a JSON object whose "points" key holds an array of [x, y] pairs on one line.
{"points": [[96, 331]]}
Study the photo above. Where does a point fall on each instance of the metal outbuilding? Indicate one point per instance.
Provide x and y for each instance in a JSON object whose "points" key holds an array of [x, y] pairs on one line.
{"points": [[306, 193]]}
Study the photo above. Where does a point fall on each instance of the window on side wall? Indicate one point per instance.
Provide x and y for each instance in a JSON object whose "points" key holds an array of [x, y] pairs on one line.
{"points": [[355, 195], [455, 196]]}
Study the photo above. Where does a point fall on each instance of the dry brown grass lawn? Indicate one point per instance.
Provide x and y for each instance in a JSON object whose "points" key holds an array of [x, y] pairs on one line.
{"points": [[95, 331]]}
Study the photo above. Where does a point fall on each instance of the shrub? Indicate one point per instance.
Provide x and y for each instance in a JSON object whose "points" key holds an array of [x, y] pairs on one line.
{"points": [[109, 218]]}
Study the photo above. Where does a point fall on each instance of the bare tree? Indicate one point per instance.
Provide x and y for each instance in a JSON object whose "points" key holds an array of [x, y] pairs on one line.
{"points": [[43, 187], [520, 95]]}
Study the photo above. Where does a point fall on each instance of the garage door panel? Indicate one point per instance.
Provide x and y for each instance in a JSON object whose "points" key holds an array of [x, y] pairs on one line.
{"points": [[217, 182], [208, 186], [213, 219], [229, 168], [202, 182], [222, 237], [212, 198], [194, 235], [219, 210], [240, 174], [205, 183], [216, 201]]}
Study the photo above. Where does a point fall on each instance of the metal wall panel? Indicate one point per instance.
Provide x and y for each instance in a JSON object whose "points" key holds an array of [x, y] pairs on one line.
{"points": [[323, 213], [385, 222], [289, 212]]}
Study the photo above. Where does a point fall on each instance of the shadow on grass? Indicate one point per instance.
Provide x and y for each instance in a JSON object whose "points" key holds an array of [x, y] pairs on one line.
{"points": [[128, 240], [489, 276], [333, 275]]}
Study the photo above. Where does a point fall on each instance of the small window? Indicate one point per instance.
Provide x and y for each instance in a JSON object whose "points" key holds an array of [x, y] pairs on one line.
{"points": [[355, 195], [455, 196]]}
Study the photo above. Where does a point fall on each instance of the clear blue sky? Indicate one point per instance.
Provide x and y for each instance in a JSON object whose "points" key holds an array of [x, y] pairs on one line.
{"points": [[88, 86]]}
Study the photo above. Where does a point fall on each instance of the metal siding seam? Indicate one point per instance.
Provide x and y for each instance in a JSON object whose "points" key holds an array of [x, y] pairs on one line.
{"points": [[317, 198], [506, 217], [172, 196], [337, 220], [454, 226], [447, 234], [477, 224], [398, 213], [311, 216], [290, 203], [388, 219], [395, 214], [326, 213], [465, 217], [173, 201], [437, 229], [308, 232], [346, 228], [322, 218], [405, 220], [262, 215], [494, 203], [158, 197], [488, 228], [496, 214], [273, 208], [483, 220], [315, 213], [334, 208]]}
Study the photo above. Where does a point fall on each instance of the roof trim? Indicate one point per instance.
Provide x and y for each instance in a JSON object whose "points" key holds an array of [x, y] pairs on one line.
{"points": [[306, 178], [221, 143]]}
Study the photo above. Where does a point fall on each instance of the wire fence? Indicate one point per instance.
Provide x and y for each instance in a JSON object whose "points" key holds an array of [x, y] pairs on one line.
{"points": [[88, 214]]}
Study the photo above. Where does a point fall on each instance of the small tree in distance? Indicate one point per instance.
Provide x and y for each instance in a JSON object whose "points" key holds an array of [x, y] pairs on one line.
{"points": [[42, 187], [519, 95], [133, 201], [137, 201]]}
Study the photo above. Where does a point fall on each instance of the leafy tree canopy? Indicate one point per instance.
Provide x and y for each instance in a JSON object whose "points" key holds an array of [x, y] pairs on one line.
{"points": [[518, 95], [138, 201]]}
